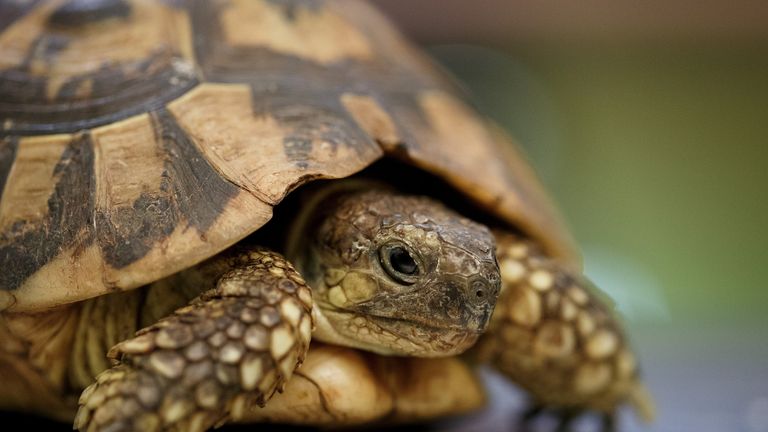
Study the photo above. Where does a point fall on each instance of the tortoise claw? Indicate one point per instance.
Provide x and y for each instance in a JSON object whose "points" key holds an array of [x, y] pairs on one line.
{"points": [[564, 417], [531, 413], [609, 423], [565, 420]]}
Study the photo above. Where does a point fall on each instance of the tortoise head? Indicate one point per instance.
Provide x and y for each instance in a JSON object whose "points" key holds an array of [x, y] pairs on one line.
{"points": [[398, 274]]}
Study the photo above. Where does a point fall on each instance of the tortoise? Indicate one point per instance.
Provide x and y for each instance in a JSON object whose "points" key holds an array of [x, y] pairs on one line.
{"points": [[272, 211]]}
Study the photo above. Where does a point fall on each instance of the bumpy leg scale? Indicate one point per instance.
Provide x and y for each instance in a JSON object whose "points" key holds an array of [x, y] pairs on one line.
{"points": [[188, 371]]}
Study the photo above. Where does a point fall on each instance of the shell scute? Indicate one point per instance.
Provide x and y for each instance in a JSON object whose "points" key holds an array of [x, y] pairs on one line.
{"points": [[142, 150]]}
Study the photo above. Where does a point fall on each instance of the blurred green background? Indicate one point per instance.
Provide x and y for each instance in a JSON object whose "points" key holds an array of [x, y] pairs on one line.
{"points": [[649, 125]]}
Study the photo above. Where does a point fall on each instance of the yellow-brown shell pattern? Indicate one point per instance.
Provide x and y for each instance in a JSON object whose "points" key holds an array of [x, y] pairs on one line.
{"points": [[130, 149]]}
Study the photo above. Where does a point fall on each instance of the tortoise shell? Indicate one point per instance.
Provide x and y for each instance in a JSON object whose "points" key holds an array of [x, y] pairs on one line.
{"points": [[138, 138]]}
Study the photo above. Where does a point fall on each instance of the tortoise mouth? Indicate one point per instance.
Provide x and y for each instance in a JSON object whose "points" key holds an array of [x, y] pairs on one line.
{"points": [[439, 341], [432, 326], [397, 336]]}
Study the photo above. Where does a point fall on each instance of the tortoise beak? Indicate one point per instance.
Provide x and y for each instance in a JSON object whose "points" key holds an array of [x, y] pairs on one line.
{"points": [[466, 305], [482, 295]]}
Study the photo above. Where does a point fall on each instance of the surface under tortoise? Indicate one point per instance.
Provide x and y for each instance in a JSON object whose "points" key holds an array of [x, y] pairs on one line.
{"points": [[143, 145]]}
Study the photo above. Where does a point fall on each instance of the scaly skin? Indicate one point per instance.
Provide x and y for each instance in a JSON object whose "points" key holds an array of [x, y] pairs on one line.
{"points": [[391, 274], [439, 311], [552, 335], [238, 342]]}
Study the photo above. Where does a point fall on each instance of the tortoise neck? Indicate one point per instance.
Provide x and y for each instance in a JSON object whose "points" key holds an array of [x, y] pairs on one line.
{"points": [[316, 202]]}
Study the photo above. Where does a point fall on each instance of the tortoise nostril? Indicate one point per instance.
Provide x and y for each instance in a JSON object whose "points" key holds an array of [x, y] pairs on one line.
{"points": [[480, 290]]}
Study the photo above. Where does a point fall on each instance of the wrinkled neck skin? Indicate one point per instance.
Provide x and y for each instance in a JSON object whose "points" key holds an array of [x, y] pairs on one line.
{"points": [[392, 273]]}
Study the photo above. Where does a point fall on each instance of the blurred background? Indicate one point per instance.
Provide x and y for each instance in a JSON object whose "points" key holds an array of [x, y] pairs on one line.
{"points": [[648, 122]]}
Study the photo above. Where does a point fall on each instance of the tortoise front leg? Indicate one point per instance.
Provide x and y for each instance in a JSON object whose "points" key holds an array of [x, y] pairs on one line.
{"points": [[245, 337], [552, 335]]}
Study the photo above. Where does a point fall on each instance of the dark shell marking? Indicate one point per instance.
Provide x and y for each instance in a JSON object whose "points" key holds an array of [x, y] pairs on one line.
{"points": [[116, 96], [81, 12], [332, 103], [10, 11], [290, 7], [115, 90], [190, 190], [8, 147], [27, 247]]}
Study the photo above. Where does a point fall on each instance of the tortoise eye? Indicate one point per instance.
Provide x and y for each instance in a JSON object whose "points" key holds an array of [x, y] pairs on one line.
{"points": [[402, 262], [399, 263]]}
